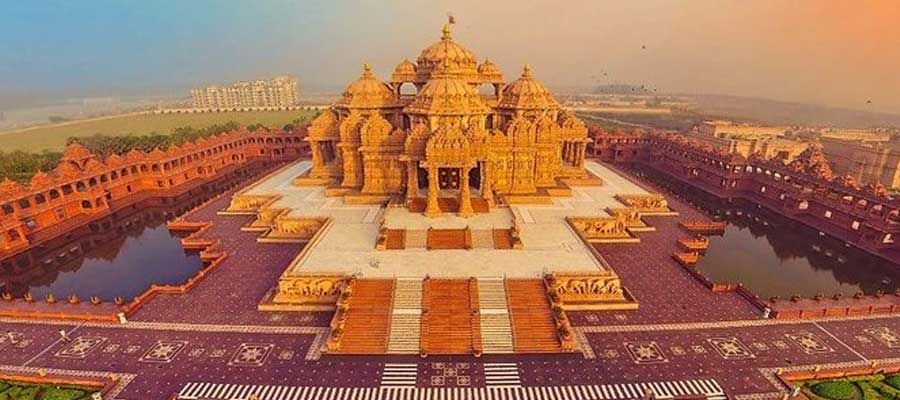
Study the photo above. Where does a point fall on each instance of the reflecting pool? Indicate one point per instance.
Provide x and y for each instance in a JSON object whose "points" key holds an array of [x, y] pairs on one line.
{"points": [[120, 255], [774, 256]]}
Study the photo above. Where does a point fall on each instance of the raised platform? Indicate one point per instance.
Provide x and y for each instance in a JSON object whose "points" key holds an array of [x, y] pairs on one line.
{"points": [[347, 244]]}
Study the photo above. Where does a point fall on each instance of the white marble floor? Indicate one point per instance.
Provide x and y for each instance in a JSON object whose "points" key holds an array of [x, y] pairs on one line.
{"points": [[348, 244]]}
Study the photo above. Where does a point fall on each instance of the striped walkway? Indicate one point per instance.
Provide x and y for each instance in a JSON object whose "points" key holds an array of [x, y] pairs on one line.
{"points": [[501, 375], [399, 375], [662, 390]]}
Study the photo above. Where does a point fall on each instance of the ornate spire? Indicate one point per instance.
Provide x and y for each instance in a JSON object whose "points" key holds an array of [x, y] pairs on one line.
{"points": [[367, 70], [526, 71], [445, 33]]}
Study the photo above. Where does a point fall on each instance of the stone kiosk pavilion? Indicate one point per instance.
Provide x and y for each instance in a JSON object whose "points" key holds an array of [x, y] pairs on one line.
{"points": [[448, 221]]}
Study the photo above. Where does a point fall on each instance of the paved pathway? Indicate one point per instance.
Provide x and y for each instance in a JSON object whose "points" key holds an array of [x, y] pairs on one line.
{"points": [[682, 337]]}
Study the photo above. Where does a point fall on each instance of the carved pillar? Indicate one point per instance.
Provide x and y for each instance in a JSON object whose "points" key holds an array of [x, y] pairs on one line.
{"points": [[317, 160], [487, 192], [465, 194], [580, 155], [432, 209], [351, 167], [412, 181]]}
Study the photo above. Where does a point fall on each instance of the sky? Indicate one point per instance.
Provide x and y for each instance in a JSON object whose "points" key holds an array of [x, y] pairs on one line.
{"points": [[828, 52]]}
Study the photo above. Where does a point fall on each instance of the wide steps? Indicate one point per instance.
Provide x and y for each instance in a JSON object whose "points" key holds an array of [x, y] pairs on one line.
{"points": [[447, 239], [406, 318], [450, 324], [367, 325], [482, 239], [502, 239], [395, 239], [534, 330], [496, 330]]}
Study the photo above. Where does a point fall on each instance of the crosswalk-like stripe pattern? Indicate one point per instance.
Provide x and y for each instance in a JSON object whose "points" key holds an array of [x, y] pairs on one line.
{"points": [[501, 374], [626, 391], [395, 375]]}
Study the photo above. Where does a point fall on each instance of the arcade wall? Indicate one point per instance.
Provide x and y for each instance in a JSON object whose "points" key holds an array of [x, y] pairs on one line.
{"points": [[804, 190], [83, 188]]}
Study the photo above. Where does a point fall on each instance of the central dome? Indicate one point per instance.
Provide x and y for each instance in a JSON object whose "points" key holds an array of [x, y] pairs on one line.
{"points": [[447, 94], [457, 57]]}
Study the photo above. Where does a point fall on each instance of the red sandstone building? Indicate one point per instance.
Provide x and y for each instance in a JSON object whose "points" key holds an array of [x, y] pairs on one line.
{"points": [[805, 189], [83, 188]]}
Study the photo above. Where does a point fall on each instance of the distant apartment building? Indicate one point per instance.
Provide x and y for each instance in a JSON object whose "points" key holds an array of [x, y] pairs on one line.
{"points": [[272, 93], [746, 140], [868, 155]]}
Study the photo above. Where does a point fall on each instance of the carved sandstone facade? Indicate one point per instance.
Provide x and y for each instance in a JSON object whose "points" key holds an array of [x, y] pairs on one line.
{"points": [[84, 188], [377, 141]]}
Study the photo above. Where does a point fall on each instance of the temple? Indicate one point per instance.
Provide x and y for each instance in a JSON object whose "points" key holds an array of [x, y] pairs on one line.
{"points": [[458, 219], [446, 140]]}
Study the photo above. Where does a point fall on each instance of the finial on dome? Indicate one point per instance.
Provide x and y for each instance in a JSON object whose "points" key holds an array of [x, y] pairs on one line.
{"points": [[526, 71], [445, 33], [367, 69]]}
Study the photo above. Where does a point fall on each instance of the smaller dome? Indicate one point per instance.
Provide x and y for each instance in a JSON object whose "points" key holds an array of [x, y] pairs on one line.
{"points": [[489, 72], [404, 72], [367, 92], [527, 93]]}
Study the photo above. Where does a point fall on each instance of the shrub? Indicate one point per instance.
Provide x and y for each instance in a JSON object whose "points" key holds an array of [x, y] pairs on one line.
{"points": [[835, 390], [893, 380], [54, 393]]}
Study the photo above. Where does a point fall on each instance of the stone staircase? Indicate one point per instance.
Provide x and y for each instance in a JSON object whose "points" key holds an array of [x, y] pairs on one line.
{"points": [[406, 317], [368, 317], [534, 330], [447, 239], [496, 330], [482, 239], [416, 239], [450, 324], [502, 239]]}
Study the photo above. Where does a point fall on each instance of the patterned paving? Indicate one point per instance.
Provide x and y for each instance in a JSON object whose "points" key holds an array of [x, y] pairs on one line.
{"points": [[662, 390], [213, 343]]}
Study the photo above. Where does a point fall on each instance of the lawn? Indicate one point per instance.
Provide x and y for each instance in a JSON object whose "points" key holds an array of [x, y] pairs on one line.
{"points": [[53, 137], [872, 387], [28, 391]]}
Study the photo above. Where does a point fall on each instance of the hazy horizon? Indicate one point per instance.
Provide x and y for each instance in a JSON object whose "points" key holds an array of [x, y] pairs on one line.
{"points": [[838, 54]]}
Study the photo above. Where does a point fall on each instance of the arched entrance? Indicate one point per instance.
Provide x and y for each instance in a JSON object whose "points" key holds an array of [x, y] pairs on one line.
{"points": [[475, 177], [422, 177]]}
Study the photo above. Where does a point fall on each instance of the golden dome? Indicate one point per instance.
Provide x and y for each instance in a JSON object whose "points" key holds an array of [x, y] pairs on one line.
{"points": [[404, 72], [527, 93], [459, 58], [489, 72], [447, 94], [367, 92]]}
